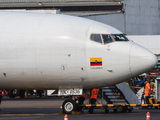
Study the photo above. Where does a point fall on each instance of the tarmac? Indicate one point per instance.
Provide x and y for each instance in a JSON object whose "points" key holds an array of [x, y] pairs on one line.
{"points": [[49, 108]]}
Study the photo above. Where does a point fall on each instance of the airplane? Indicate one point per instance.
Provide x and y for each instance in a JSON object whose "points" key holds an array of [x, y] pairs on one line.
{"points": [[72, 54]]}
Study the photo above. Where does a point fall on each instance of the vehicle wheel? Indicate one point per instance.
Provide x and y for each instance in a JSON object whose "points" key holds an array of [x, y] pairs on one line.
{"points": [[106, 110], [12, 94], [120, 108], [69, 105]]}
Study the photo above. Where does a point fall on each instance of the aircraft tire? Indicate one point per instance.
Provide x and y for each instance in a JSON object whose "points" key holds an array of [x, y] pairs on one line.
{"points": [[69, 105]]}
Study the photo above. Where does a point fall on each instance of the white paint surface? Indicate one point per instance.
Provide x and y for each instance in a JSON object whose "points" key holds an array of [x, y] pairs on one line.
{"points": [[49, 51]]}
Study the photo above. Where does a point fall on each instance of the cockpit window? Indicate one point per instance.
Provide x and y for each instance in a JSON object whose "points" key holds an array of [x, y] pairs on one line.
{"points": [[107, 39], [96, 38], [119, 37]]}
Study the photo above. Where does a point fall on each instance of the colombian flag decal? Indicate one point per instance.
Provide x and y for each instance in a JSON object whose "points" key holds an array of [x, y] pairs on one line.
{"points": [[95, 61]]}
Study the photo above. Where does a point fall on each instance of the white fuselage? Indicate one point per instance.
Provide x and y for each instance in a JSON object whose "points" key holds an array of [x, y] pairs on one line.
{"points": [[49, 51]]}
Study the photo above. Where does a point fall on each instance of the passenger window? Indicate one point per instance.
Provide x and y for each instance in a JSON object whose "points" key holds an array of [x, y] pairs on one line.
{"points": [[96, 38], [107, 39]]}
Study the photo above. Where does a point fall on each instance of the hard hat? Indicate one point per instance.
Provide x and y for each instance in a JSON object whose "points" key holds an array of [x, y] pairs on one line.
{"points": [[146, 81]]}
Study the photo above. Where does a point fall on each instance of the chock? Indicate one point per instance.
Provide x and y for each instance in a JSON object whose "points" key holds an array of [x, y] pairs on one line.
{"points": [[77, 112]]}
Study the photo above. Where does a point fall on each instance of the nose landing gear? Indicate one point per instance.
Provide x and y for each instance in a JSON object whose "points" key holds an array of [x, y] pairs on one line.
{"points": [[69, 105]]}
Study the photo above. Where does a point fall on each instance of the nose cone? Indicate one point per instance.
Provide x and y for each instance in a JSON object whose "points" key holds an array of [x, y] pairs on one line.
{"points": [[141, 59]]}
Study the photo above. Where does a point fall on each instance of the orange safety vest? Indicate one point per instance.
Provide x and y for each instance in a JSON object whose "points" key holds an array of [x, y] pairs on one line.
{"points": [[94, 93], [147, 90]]}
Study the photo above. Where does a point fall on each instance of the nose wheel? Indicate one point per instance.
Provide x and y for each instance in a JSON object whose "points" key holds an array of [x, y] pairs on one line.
{"points": [[69, 105]]}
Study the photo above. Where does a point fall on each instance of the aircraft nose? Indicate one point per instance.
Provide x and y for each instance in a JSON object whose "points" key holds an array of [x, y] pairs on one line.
{"points": [[141, 59]]}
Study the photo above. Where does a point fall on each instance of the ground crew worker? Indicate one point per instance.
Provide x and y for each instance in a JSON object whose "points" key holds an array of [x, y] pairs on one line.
{"points": [[93, 98], [81, 101], [152, 85], [147, 91], [82, 98], [152, 88], [0, 97]]}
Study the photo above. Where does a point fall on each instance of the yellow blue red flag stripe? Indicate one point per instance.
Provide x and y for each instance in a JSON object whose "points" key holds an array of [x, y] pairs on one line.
{"points": [[96, 61]]}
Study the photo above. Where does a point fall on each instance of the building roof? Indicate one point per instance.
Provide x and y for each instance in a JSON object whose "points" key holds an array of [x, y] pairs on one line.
{"points": [[70, 7]]}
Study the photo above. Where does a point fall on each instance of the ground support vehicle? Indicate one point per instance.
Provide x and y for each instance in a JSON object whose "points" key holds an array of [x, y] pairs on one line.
{"points": [[108, 107], [154, 97], [117, 97], [120, 107]]}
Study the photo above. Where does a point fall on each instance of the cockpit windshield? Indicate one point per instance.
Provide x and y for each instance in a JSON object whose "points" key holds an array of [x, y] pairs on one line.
{"points": [[107, 38], [96, 38], [119, 37]]}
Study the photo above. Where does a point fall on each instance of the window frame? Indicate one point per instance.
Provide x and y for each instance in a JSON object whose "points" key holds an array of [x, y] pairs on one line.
{"points": [[103, 39], [121, 40], [96, 41]]}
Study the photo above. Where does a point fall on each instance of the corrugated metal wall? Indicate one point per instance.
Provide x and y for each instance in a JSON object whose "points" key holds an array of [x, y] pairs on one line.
{"points": [[141, 17]]}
